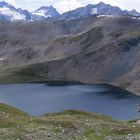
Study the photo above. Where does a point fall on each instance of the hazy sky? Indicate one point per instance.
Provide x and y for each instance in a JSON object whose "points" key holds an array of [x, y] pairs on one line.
{"points": [[66, 5]]}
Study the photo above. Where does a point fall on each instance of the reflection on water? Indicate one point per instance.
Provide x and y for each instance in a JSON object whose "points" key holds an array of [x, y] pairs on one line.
{"points": [[38, 99]]}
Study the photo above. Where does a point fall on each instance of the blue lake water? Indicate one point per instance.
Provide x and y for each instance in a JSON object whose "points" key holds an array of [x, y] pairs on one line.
{"points": [[37, 99]]}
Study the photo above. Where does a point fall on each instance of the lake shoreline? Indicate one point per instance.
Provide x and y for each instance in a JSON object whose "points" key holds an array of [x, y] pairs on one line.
{"points": [[64, 82], [70, 110]]}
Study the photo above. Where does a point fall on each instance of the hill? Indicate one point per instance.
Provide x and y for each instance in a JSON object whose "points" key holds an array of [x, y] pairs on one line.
{"points": [[64, 125]]}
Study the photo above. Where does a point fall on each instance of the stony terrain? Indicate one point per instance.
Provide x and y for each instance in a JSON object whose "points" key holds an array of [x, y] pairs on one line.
{"points": [[96, 49], [67, 125]]}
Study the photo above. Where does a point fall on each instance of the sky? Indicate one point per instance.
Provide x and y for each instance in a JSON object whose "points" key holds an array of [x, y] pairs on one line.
{"points": [[66, 5]]}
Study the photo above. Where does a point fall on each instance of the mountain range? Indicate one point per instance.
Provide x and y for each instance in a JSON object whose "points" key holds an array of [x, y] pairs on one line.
{"points": [[10, 13]]}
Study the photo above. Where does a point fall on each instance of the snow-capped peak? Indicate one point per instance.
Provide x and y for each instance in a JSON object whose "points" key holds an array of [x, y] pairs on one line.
{"points": [[46, 11], [11, 12]]}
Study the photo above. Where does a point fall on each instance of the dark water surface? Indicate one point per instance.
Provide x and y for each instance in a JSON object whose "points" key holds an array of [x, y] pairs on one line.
{"points": [[37, 99]]}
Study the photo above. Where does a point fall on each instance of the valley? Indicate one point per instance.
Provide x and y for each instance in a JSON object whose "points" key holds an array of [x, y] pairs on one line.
{"points": [[56, 65], [89, 50]]}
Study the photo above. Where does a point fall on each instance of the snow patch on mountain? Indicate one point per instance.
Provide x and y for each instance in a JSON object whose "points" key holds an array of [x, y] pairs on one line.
{"points": [[42, 13], [134, 18], [94, 11], [110, 16], [1, 59]]}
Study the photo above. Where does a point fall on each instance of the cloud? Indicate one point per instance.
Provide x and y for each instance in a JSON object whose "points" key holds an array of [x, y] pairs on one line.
{"points": [[12, 2], [28, 4], [31, 4], [66, 5]]}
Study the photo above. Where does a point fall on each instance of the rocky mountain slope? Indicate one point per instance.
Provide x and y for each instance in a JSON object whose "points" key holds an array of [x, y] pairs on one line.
{"points": [[65, 125], [98, 49]]}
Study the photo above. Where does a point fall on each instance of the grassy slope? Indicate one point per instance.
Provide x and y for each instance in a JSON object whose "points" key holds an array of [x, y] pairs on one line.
{"points": [[66, 125]]}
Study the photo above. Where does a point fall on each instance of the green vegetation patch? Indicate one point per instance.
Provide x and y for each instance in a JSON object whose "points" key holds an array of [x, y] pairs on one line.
{"points": [[70, 124], [22, 74]]}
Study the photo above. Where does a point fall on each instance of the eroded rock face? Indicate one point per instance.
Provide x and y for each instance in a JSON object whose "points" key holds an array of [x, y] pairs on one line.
{"points": [[138, 122], [90, 50]]}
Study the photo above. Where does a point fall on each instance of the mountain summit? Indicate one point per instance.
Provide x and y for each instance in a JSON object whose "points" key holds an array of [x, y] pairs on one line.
{"points": [[46, 12]]}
